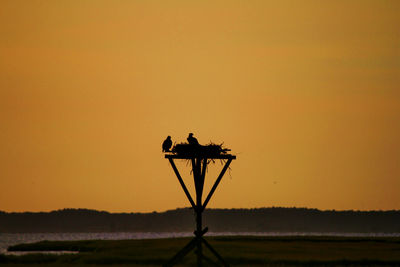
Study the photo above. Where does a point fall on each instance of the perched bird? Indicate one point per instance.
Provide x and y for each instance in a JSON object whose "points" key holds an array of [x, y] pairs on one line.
{"points": [[192, 140], [166, 145]]}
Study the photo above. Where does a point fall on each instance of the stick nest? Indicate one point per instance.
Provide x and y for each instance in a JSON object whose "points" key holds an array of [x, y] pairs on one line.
{"points": [[210, 150]]}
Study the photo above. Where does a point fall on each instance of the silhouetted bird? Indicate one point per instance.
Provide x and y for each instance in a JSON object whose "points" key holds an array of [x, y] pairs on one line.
{"points": [[166, 145], [192, 140]]}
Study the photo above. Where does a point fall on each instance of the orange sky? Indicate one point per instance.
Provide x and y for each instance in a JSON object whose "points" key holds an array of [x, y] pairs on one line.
{"points": [[305, 93]]}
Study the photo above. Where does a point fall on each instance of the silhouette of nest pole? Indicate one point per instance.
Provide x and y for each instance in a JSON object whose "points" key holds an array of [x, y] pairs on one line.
{"points": [[200, 156]]}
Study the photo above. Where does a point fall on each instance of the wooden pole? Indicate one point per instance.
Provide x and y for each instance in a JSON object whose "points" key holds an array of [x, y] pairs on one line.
{"points": [[199, 184], [199, 169]]}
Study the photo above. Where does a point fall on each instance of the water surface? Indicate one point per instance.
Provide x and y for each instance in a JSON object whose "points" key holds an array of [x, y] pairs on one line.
{"points": [[7, 240]]}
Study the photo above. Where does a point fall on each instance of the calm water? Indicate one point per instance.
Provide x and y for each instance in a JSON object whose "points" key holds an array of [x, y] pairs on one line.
{"points": [[7, 240]]}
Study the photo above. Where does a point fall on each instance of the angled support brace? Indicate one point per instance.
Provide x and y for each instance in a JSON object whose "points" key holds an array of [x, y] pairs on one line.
{"points": [[182, 183], [221, 260], [216, 183], [182, 253]]}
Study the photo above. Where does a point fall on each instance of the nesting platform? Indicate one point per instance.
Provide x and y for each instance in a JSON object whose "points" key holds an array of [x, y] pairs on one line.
{"points": [[174, 156], [200, 156], [188, 151]]}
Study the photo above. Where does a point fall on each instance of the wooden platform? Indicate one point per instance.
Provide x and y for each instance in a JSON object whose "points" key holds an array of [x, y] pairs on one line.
{"points": [[202, 155]]}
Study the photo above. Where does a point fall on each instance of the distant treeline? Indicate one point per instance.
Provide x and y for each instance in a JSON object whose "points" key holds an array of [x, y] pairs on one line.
{"points": [[218, 220]]}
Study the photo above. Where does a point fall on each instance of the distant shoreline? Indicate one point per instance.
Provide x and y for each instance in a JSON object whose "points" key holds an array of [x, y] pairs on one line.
{"points": [[275, 220], [189, 208]]}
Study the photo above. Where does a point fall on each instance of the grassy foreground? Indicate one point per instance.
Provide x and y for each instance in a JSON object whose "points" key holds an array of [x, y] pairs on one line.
{"points": [[245, 251]]}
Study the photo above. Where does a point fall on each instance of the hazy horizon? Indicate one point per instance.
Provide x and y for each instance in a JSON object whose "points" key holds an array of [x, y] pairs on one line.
{"points": [[188, 207]]}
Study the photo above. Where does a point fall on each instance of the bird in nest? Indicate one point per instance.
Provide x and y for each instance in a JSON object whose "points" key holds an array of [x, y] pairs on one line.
{"points": [[166, 146], [192, 140]]}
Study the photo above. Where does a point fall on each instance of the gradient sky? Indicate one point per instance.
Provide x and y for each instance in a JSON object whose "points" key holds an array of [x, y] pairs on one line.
{"points": [[305, 93]]}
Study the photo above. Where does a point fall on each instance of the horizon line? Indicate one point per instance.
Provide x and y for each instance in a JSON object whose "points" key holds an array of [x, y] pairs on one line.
{"points": [[188, 207]]}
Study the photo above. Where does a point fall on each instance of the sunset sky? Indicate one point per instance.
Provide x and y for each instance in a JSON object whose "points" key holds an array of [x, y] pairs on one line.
{"points": [[305, 93]]}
